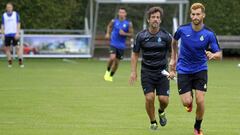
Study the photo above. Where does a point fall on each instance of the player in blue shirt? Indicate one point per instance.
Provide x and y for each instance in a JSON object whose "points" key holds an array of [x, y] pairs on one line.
{"points": [[119, 29], [10, 33], [191, 65]]}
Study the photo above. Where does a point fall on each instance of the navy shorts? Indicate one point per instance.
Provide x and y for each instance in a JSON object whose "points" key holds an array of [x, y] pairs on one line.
{"points": [[188, 82], [154, 81], [119, 52], [11, 41]]}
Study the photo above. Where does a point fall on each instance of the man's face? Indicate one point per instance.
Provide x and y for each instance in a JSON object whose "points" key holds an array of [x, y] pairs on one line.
{"points": [[122, 13], [9, 8], [154, 20], [197, 16]]}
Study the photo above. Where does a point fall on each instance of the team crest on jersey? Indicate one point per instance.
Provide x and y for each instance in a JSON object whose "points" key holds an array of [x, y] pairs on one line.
{"points": [[159, 39], [201, 38], [124, 25]]}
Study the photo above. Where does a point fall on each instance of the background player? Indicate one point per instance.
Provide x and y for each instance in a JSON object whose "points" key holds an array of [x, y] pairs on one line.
{"points": [[155, 44], [11, 29], [191, 66], [119, 29]]}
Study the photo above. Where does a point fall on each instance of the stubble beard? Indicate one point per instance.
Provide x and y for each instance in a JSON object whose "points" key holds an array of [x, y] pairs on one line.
{"points": [[197, 22], [155, 25]]}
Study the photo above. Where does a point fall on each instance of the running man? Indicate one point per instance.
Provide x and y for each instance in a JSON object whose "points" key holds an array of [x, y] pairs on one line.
{"points": [[120, 28], [155, 44], [11, 33], [191, 64]]}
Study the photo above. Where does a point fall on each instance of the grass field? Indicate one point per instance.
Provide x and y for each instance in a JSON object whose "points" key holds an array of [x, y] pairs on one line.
{"points": [[56, 97]]}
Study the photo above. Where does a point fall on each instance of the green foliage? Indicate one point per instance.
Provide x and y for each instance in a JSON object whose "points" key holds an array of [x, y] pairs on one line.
{"points": [[135, 13], [222, 16], [50, 14]]}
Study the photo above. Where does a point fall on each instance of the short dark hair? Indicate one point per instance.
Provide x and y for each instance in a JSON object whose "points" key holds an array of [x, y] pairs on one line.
{"points": [[9, 3], [123, 8], [153, 10]]}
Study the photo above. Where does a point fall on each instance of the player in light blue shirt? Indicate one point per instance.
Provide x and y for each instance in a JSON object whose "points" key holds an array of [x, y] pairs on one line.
{"points": [[117, 31], [198, 45]]}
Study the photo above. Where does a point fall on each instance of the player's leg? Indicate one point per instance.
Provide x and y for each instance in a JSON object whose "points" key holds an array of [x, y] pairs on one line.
{"points": [[200, 84], [199, 110], [187, 100], [163, 98], [112, 57], [149, 105], [118, 57], [150, 109], [149, 93], [7, 42], [114, 66], [19, 51], [185, 90]]}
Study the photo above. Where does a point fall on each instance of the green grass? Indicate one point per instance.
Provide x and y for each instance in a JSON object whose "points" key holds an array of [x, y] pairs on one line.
{"points": [[53, 97]]}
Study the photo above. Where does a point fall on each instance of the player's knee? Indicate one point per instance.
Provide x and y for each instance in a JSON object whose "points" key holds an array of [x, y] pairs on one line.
{"points": [[163, 100], [116, 63], [112, 59], [199, 100], [7, 49], [187, 101], [113, 56], [149, 97]]}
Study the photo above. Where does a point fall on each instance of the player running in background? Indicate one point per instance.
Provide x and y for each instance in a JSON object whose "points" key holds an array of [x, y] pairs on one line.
{"points": [[10, 33], [155, 44], [117, 31], [191, 64]]}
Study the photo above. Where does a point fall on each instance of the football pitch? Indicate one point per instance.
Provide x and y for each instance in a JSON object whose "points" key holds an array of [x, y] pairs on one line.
{"points": [[70, 97]]}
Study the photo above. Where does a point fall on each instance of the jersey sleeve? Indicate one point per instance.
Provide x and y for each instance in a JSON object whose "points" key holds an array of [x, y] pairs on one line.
{"points": [[18, 18], [3, 19], [177, 34], [137, 44], [169, 42], [214, 43]]}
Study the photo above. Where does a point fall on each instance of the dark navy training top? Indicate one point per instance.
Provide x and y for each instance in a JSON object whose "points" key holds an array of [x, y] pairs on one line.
{"points": [[154, 48]]}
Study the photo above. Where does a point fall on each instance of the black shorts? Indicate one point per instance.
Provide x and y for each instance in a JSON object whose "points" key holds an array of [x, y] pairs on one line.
{"points": [[152, 80], [188, 82], [11, 41], [119, 52]]}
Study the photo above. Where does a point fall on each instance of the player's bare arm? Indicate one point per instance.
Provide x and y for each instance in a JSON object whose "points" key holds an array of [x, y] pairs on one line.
{"points": [[109, 29], [134, 60], [17, 36], [173, 60], [130, 31], [2, 31]]}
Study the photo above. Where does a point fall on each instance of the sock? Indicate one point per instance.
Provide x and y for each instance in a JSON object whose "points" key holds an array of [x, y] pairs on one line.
{"points": [[160, 111], [112, 73], [10, 62], [152, 122], [20, 61], [197, 124], [108, 69]]}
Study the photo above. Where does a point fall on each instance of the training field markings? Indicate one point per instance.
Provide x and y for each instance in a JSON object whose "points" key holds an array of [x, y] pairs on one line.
{"points": [[70, 61]]}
